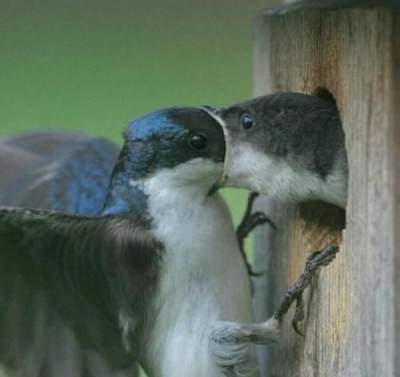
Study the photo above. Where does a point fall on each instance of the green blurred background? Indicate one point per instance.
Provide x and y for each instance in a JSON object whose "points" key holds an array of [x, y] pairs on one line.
{"points": [[94, 65]]}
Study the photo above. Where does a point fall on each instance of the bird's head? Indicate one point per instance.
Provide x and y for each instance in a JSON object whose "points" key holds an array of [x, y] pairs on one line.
{"points": [[289, 146], [184, 146]]}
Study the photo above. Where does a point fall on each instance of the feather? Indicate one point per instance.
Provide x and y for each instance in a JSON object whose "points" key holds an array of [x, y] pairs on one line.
{"points": [[75, 274], [56, 170]]}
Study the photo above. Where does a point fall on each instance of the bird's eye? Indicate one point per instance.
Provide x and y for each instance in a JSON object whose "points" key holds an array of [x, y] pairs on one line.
{"points": [[198, 141], [247, 121]]}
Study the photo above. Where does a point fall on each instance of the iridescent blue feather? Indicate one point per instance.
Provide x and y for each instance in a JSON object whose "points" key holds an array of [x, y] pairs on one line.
{"points": [[64, 172]]}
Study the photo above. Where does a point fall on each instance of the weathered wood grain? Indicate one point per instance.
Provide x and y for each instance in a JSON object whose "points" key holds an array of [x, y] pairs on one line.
{"points": [[353, 312], [325, 4]]}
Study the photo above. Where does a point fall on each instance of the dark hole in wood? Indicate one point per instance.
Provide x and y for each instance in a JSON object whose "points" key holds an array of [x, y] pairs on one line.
{"points": [[324, 93], [326, 215]]}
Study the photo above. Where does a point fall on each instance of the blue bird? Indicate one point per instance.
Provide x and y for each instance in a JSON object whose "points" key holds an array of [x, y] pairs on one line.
{"points": [[135, 268]]}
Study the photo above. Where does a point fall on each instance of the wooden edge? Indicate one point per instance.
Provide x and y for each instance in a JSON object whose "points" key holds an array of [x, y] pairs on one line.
{"points": [[328, 4]]}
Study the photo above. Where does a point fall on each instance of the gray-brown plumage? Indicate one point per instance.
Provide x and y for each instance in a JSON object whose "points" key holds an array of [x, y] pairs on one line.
{"points": [[288, 146]]}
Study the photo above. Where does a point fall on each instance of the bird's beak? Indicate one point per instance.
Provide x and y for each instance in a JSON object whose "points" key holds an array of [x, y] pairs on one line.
{"points": [[223, 179], [219, 184]]}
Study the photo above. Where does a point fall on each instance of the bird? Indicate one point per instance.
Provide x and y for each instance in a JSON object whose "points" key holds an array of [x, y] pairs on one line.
{"points": [[287, 146], [135, 270], [70, 174], [290, 147]]}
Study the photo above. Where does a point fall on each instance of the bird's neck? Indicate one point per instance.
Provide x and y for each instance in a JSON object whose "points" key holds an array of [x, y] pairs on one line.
{"points": [[170, 188]]}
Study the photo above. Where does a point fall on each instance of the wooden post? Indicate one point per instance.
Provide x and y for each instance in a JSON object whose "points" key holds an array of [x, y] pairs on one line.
{"points": [[352, 325]]}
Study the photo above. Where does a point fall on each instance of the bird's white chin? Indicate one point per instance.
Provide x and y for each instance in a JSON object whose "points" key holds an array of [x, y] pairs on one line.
{"points": [[195, 178], [248, 168]]}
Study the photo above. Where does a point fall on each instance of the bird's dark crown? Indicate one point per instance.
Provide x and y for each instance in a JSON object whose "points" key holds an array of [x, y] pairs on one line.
{"points": [[303, 129], [162, 140]]}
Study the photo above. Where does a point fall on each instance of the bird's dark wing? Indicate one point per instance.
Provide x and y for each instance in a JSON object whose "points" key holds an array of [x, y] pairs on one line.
{"points": [[45, 143], [72, 279], [56, 170]]}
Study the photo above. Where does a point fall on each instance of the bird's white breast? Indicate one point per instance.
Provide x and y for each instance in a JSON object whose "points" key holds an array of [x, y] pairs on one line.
{"points": [[204, 279]]}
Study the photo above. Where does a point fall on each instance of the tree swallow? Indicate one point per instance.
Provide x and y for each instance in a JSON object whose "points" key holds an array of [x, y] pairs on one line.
{"points": [[288, 146], [143, 280]]}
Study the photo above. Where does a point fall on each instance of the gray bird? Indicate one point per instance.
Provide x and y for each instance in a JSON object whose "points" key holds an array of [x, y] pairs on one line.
{"points": [[288, 146]]}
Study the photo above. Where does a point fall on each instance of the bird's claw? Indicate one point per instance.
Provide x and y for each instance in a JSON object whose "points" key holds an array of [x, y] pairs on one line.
{"points": [[321, 258], [298, 315], [231, 342], [295, 291], [249, 222]]}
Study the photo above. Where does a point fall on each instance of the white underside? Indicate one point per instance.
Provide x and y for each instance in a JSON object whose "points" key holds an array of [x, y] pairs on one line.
{"points": [[272, 176], [204, 278]]}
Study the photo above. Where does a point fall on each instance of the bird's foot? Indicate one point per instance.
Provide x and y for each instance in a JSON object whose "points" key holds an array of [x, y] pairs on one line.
{"points": [[232, 344], [295, 292], [232, 335], [298, 315], [249, 222]]}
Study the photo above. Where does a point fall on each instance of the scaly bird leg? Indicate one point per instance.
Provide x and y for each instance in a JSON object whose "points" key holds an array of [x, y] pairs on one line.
{"points": [[249, 222], [298, 315], [295, 292], [231, 342]]}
